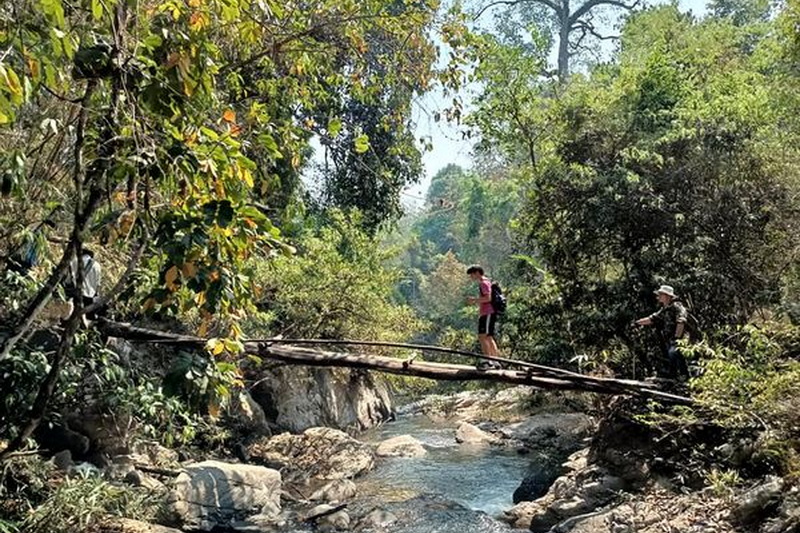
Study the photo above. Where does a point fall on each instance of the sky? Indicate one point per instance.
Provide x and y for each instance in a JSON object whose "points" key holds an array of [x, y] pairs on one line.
{"points": [[448, 146]]}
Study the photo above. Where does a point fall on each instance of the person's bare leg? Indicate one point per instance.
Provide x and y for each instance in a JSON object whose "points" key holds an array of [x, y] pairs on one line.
{"points": [[483, 339], [492, 347]]}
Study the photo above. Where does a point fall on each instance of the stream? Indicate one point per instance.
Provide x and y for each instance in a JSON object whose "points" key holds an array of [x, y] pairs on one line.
{"points": [[454, 488]]}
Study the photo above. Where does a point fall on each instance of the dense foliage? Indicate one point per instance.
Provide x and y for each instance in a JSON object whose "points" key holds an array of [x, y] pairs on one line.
{"points": [[235, 166]]}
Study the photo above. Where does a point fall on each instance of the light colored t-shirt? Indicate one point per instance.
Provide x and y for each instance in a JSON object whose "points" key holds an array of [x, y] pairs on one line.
{"points": [[485, 289], [91, 276]]}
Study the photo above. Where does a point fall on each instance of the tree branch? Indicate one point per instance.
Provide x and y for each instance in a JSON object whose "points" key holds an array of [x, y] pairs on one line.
{"points": [[511, 3], [591, 4], [37, 304]]}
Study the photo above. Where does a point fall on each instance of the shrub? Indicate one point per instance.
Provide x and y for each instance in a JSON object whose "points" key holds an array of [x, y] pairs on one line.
{"points": [[81, 502]]}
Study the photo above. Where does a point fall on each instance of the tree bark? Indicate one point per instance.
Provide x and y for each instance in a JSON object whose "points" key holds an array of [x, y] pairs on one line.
{"points": [[563, 41]]}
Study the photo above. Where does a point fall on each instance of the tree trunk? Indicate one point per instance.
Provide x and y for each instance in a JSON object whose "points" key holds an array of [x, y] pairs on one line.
{"points": [[563, 42]]}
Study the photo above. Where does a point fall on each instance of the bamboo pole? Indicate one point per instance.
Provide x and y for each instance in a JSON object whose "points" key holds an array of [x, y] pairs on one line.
{"points": [[267, 348]]}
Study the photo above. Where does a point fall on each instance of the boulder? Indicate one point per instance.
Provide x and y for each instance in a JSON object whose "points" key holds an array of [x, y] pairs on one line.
{"points": [[155, 454], [554, 433], [247, 417], [541, 475], [107, 434], [753, 505], [469, 434], [298, 398], [126, 525], [336, 491], [339, 520], [377, 519], [521, 515], [787, 519], [401, 446], [140, 479], [316, 454], [583, 489], [212, 493], [63, 460], [56, 437]]}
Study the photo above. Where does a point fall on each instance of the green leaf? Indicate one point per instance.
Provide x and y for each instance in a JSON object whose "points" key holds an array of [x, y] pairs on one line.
{"points": [[361, 143], [97, 9], [334, 127]]}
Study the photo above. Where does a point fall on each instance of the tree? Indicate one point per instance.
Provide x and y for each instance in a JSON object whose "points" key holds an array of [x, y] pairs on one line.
{"points": [[573, 24], [145, 121], [660, 167]]}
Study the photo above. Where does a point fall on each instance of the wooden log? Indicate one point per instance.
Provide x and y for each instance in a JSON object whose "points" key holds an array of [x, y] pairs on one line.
{"points": [[296, 355], [452, 372]]}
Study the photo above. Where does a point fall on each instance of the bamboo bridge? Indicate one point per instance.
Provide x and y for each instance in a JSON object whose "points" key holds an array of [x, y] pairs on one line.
{"points": [[308, 352]]}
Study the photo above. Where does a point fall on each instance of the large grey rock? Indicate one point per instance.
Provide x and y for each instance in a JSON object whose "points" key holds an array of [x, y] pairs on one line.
{"points": [[339, 520], [466, 433], [401, 446], [583, 489], [555, 433], [297, 398], [247, 416], [338, 490], [787, 519], [140, 479], [752, 506], [377, 519], [213, 493], [541, 474], [316, 454]]}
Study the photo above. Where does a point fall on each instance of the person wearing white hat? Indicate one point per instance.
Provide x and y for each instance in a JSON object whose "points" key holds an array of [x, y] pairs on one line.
{"points": [[671, 320]]}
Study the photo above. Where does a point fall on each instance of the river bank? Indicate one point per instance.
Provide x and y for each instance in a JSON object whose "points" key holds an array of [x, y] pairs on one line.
{"points": [[479, 461]]}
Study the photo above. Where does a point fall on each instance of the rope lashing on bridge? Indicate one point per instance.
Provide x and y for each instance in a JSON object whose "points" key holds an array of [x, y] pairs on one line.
{"points": [[289, 351]]}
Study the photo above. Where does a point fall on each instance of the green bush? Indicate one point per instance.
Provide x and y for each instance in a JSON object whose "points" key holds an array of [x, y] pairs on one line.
{"points": [[337, 286], [79, 503], [749, 382]]}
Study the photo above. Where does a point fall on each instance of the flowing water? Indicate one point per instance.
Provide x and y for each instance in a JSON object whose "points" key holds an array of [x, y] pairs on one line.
{"points": [[454, 488]]}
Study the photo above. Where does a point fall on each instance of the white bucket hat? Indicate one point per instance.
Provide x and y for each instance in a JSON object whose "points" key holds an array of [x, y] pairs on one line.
{"points": [[666, 289]]}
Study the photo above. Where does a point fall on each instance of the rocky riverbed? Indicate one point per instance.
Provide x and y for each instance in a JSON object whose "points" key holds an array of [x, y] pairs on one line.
{"points": [[477, 462]]}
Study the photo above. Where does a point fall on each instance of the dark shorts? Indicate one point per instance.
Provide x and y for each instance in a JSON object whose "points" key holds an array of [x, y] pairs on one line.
{"points": [[486, 324]]}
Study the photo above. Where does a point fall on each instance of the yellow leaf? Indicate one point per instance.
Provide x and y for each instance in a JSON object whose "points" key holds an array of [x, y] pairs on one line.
{"points": [[219, 188], [195, 3], [200, 298], [33, 66], [247, 177], [14, 86], [170, 277], [203, 329], [219, 348], [229, 115], [197, 21]]}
